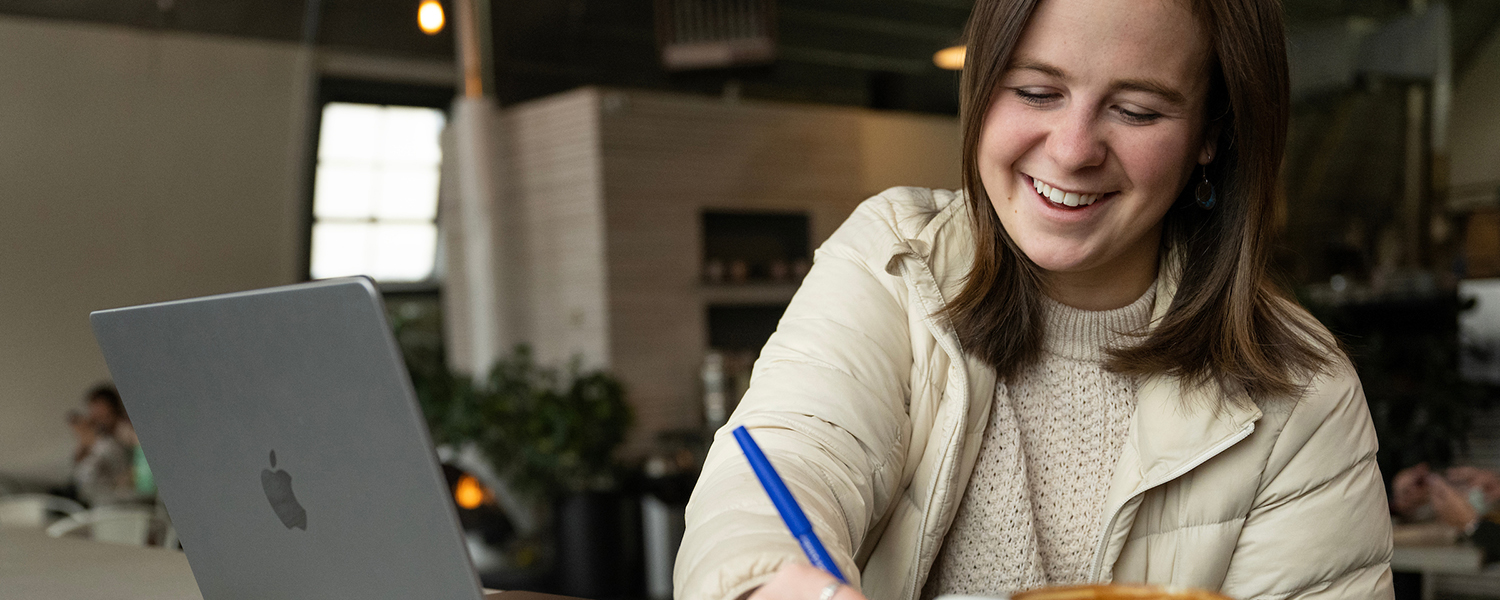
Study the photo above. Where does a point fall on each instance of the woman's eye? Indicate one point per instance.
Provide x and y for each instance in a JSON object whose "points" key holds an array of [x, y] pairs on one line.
{"points": [[1035, 98], [1137, 117]]}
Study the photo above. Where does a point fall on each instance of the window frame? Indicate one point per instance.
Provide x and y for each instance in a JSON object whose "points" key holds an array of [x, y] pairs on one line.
{"points": [[339, 89]]}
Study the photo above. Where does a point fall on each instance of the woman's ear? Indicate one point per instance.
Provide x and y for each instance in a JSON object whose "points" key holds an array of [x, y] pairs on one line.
{"points": [[1210, 142]]}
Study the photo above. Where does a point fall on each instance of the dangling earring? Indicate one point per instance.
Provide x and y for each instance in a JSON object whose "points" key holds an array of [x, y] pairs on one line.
{"points": [[1205, 193]]}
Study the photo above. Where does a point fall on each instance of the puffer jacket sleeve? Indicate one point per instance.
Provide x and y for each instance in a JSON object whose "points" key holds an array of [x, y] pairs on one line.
{"points": [[827, 404], [1320, 527]]}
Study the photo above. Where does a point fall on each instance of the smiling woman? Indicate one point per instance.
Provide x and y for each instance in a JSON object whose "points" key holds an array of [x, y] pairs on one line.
{"points": [[1076, 370]]}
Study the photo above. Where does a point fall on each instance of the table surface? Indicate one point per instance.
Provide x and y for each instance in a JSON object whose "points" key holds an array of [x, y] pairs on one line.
{"points": [[33, 565], [1448, 569], [1437, 559]]}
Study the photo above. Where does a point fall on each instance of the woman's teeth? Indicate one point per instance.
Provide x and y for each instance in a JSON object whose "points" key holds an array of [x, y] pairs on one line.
{"points": [[1057, 196]]}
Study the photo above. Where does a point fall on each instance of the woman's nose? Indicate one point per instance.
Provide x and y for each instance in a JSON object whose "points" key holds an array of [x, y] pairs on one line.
{"points": [[1076, 141]]}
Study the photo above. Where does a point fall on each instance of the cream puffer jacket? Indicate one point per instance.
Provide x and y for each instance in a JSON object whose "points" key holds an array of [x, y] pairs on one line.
{"points": [[873, 415]]}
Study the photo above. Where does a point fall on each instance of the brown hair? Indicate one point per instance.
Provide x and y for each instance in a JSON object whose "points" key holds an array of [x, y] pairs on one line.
{"points": [[1228, 323], [106, 393]]}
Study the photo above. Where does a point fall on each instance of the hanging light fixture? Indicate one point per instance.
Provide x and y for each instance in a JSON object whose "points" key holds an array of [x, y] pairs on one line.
{"points": [[430, 17], [715, 34], [950, 58]]}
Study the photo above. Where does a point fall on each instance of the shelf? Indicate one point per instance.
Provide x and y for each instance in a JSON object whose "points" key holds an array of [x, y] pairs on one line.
{"points": [[729, 294]]}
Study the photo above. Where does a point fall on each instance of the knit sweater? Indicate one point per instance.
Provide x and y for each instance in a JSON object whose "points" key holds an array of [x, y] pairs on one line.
{"points": [[1032, 512]]}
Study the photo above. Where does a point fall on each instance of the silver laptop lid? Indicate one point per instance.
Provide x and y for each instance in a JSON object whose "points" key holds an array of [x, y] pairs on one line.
{"points": [[352, 504]]}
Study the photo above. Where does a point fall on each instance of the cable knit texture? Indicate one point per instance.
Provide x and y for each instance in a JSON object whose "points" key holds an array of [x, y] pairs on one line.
{"points": [[1032, 512]]}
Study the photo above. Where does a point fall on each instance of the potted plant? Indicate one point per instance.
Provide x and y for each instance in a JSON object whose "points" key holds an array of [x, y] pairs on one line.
{"points": [[551, 432], [551, 435]]}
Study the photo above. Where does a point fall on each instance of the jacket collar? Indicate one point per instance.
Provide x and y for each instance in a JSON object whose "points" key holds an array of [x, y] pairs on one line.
{"points": [[944, 242], [1177, 425]]}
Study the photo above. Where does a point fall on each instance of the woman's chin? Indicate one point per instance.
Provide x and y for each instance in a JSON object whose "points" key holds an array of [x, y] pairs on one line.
{"points": [[1061, 262]]}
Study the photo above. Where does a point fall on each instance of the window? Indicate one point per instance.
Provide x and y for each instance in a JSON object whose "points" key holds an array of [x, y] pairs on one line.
{"points": [[375, 192]]}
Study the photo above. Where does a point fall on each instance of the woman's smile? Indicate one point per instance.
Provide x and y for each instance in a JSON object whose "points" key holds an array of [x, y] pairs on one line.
{"points": [[1067, 200]]}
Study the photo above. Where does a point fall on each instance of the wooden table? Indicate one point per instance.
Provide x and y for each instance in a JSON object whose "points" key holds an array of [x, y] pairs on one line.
{"points": [[33, 565]]}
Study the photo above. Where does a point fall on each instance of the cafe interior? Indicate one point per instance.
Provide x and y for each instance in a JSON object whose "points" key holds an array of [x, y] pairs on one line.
{"points": [[607, 205]]}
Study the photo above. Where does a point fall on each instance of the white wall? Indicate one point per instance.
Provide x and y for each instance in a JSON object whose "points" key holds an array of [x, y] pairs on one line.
{"points": [[555, 185], [134, 167]]}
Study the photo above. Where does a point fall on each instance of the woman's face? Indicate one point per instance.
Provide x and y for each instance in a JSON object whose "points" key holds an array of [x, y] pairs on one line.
{"points": [[1097, 125]]}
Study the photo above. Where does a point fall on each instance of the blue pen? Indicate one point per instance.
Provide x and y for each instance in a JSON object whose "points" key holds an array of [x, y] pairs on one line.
{"points": [[786, 505]]}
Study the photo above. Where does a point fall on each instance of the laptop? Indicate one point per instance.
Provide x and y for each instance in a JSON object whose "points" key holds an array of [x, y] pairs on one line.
{"points": [[288, 446]]}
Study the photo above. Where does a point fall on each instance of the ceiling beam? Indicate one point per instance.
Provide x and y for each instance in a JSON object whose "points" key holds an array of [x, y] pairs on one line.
{"points": [[890, 27], [853, 60]]}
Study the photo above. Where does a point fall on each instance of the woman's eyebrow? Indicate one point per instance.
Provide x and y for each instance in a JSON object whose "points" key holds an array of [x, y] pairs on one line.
{"points": [[1148, 86], [1040, 67]]}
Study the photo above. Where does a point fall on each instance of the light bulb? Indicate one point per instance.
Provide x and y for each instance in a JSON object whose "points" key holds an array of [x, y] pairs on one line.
{"points": [[950, 58], [430, 17], [469, 493]]}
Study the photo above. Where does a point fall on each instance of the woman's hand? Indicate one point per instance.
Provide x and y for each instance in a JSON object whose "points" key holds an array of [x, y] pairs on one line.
{"points": [[802, 582], [1409, 490], [1451, 506], [1470, 477]]}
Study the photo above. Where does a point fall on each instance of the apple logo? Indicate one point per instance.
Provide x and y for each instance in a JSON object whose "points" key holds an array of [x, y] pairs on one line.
{"points": [[278, 486]]}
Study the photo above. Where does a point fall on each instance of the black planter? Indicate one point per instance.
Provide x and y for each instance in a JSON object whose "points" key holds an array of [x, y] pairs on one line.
{"points": [[599, 545]]}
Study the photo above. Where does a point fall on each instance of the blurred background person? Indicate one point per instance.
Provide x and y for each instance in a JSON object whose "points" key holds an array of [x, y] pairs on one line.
{"points": [[104, 458]]}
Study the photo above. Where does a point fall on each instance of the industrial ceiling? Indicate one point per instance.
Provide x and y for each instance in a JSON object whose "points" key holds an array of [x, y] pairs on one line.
{"points": [[875, 53]]}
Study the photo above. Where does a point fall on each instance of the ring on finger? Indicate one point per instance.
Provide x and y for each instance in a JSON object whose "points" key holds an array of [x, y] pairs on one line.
{"points": [[830, 589]]}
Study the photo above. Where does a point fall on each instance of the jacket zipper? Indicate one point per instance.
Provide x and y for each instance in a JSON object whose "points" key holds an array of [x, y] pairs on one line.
{"points": [[1174, 474], [949, 343]]}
